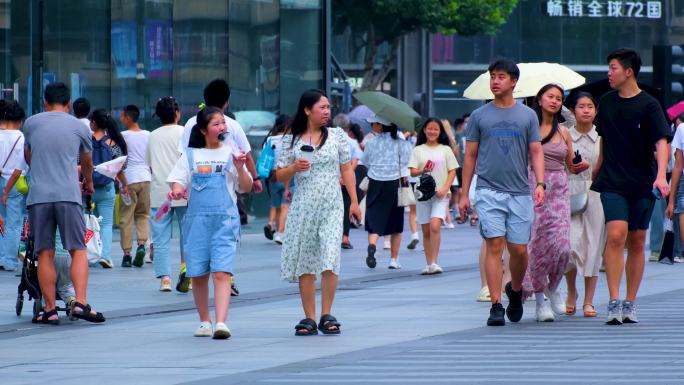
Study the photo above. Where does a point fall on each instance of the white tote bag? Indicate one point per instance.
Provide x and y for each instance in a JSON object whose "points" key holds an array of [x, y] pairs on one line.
{"points": [[93, 240]]}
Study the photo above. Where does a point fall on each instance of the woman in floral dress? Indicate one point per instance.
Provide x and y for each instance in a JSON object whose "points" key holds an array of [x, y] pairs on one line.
{"points": [[313, 231], [549, 247]]}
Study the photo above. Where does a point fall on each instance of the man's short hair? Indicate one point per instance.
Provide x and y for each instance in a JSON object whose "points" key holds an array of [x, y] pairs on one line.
{"points": [[216, 93], [132, 112], [628, 58], [507, 66], [81, 108], [57, 93]]}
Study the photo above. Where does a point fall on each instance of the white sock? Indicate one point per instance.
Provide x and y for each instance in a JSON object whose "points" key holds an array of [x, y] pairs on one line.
{"points": [[414, 235], [539, 297]]}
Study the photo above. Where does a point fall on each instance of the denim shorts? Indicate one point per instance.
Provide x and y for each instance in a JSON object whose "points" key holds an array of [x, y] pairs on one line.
{"points": [[679, 197], [277, 193], [503, 214]]}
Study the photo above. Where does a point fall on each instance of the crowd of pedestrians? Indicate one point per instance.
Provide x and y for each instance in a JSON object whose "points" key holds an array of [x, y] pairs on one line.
{"points": [[555, 194]]}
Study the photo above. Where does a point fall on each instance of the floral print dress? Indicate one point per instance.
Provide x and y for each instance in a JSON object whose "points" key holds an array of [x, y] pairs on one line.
{"points": [[313, 231]]}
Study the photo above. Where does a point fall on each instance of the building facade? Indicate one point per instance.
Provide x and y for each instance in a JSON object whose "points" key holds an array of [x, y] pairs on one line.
{"points": [[120, 52]]}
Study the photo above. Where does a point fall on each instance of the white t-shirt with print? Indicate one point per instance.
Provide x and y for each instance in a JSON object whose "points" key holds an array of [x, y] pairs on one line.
{"points": [[207, 161], [137, 169], [15, 160], [235, 133]]}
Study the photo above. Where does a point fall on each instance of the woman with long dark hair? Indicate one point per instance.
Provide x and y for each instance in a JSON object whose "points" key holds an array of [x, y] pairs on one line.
{"points": [[549, 247], [433, 155], [386, 156], [316, 156], [106, 133]]}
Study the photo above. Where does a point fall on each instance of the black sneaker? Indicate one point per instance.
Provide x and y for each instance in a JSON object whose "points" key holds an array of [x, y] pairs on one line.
{"points": [[234, 292], [268, 232], [496, 315], [139, 260], [370, 259], [183, 285], [126, 261], [514, 311]]}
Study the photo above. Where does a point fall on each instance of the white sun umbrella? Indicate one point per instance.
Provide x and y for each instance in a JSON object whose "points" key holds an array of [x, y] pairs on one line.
{"points": [[533, 76], [111, 168]]}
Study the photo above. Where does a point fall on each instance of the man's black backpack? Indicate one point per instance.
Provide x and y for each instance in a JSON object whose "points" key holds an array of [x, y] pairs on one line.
{"points": [[101, 153]]}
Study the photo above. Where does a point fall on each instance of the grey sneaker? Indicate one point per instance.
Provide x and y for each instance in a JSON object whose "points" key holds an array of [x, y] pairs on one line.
{"points": [[629, 312], [614, 313]]}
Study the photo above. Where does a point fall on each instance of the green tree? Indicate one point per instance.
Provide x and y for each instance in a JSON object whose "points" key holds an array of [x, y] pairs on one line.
{"points": [[374, 22]]}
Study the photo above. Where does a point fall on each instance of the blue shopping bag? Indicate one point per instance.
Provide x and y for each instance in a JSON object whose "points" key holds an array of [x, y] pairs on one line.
{"points": [[265, 162]]}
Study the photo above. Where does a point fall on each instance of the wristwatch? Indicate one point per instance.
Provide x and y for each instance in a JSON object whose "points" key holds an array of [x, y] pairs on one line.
{"points": [[542, 184]]}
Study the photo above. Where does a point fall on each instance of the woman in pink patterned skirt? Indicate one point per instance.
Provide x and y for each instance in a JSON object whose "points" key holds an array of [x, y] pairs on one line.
{"points": [[549, 248]]}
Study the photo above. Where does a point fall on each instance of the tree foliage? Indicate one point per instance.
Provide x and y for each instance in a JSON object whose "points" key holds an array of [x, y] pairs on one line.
{"points": [[375, 22]]}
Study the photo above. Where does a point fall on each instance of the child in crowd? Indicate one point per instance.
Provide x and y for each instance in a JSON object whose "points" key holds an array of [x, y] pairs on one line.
{"points": [[206, 174]]}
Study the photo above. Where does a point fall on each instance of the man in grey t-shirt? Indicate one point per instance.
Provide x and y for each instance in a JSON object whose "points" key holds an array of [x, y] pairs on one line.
{"points": [[501, 136], [54, 142]]}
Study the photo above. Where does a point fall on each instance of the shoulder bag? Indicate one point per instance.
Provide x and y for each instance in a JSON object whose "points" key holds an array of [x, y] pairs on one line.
{"points": [[405, 195]]}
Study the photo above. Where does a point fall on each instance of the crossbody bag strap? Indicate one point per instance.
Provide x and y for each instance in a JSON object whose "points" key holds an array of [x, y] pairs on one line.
{"points": [[10, 153]]}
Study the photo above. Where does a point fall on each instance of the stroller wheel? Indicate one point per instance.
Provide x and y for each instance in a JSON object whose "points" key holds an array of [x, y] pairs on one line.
{"points": [[37, 307], [20, 304]]}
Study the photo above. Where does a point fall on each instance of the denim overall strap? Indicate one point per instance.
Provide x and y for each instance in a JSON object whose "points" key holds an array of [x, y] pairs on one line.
{"points": [[191, 159]]}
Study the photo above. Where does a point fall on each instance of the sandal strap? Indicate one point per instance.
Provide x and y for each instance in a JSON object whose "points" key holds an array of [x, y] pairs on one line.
{"points": [[328, 321], [306, 323]]}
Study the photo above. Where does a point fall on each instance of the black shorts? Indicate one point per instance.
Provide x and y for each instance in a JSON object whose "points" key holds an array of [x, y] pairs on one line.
{"points": [[636, 210], [459, 176], [46, 218]]}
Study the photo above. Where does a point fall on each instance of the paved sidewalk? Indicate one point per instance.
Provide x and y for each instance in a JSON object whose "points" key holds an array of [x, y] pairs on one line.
{"points": [[398, 326]]}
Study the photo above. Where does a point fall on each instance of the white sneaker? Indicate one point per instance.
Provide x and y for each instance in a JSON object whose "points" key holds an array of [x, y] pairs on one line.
{"points": [[544, 312], [426, 270], [449, 226], [394, 264], [484, 295], [387, 245], [165, 285], [204, 330], [556, 300], [436, 269], [278, 238], [221, 332]]}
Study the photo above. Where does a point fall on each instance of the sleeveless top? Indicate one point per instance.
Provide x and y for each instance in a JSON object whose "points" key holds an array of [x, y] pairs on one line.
{"points": [[554, 155]]}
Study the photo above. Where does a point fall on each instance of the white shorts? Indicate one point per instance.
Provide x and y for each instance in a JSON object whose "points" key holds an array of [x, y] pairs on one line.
{"points": [[433, 208]]}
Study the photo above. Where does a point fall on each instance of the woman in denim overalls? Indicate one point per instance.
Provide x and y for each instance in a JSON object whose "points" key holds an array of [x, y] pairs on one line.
{"points": [[211, 227]]}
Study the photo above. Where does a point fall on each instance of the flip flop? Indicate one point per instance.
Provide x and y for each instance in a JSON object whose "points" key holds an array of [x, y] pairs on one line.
{"points": [[571, 309], [591, 312]]}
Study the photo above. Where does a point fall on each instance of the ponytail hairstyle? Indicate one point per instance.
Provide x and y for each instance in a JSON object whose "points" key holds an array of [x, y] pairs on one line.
{"points": [[11, 111], [104, 120], [166, 109], [301, 120], [355, 130], [392, 129], [282, 123], [204, 116]]}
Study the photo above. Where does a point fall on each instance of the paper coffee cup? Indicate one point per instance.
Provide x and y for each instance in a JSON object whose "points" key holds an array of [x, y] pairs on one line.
{"points": [[307, 153]]}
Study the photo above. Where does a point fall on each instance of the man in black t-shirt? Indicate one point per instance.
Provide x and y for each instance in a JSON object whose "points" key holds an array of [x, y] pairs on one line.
{"points": [[632, 126]]}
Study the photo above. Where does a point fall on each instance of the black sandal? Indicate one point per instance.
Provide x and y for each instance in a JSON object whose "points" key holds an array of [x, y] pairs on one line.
{"points": [[327, 323], [44, 318], [306, 327], [85, 314]]}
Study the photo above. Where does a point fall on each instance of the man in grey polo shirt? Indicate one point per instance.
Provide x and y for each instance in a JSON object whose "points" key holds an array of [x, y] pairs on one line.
{"points": [[501, 136], [54, 142]]}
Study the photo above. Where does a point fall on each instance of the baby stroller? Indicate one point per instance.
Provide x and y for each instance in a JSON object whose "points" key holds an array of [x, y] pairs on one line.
{"points": [[29, 280]]}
